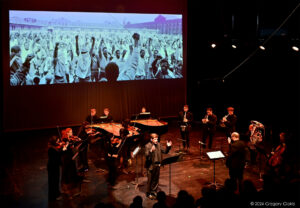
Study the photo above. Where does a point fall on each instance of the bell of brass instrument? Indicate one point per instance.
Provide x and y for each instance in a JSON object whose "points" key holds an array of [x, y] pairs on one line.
{"points": [[222, 124]]}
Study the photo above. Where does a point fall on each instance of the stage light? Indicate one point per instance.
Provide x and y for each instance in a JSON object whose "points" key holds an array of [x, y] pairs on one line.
{"points": [[213, 45], [262, 47], [233, 46], [295, 48]]}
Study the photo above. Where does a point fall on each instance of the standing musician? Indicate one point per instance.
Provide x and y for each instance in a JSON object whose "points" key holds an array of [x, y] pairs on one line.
{"points": [[255, 133], [185, 122], [69, 179], [209, 127], [153, 151], [112, 157], [126, 145], [229, 122], [53, 168], [92, 118], [105, 117]]}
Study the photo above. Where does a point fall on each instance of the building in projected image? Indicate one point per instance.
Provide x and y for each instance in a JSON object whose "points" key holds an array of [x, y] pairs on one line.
{"points": [[161, 24]]}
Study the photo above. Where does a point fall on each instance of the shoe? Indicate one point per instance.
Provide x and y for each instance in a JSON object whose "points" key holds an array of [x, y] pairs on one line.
{"points": [[154, 194], [152, 197]]}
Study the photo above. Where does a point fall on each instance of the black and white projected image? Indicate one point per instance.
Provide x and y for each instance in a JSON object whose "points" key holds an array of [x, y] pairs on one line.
{"points": [[74, 47]]}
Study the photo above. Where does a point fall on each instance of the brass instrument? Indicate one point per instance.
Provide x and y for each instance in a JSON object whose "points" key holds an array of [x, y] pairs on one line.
{"points": [[222, 122], [257, 132], [184, 123], [205, 119]]}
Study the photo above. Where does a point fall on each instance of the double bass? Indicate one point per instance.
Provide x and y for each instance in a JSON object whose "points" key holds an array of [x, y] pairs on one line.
{"points": [[276, 158]]}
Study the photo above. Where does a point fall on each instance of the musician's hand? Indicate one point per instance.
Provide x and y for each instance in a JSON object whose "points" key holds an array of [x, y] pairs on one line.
{"points": [[169, 143], [204, 120], [229, 140], [153, 148], [185, 120], [272, 153]]}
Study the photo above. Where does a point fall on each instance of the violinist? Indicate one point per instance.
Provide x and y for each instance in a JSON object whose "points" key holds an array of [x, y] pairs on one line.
{"points": [[112, 156], [53, 168], [84, 134], [126, 146], [69, 179]]}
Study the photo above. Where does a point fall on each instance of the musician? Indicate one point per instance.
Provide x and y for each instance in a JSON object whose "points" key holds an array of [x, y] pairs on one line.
{"points": [[230, 121], [236, 158], [53, 168], [105, 117], [153, 151], [84, 134], [209, 127], [112, 156], [126, 146], [69, 178], [255, 144], [143, 114], [92, 118], [185, 122], [277, 156]]}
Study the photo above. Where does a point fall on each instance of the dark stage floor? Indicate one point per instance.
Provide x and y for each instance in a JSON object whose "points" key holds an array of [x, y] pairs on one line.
{"points": [[25, 175]]}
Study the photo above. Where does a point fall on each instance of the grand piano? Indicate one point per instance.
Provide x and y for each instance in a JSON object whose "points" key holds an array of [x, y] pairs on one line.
{"points": [[146, 123]]}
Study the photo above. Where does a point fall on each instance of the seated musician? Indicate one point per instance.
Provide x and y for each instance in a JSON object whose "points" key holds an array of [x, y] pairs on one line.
{"points": [[144, 114], [105, 117], [277, 156], [92, 118]]}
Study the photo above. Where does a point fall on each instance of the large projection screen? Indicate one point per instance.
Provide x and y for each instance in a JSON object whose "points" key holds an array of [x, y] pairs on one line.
{"points": [[49, 47]]}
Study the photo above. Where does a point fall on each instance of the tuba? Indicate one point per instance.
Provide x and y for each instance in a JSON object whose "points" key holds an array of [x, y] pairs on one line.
{"points": [[257, 132]]}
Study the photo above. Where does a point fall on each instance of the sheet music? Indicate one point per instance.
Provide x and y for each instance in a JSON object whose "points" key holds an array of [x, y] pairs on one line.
{"points": [[215, 155]]}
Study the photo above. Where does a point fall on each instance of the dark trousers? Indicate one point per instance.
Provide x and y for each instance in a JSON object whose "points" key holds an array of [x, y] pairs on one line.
{"points": [[185, 135], [112, 170], [210, 134], [83, 159], [237, 175], [153, 179], [53, 183]]}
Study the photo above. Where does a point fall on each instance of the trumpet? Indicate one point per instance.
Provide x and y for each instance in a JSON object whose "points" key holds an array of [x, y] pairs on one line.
{"points": [[222, 122], [205, 119]]}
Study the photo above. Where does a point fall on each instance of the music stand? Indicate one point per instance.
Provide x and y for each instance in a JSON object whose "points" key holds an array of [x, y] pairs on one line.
{"points": [[135, 153], [215, 155], [169, 161]]}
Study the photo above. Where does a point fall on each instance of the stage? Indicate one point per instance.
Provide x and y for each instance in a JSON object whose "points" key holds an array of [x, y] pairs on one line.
{"points": [[25, 183]]}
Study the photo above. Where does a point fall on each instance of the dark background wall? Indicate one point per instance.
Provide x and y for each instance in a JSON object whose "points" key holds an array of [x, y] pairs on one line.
{"points": [[266, 87], [31, 107]]}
